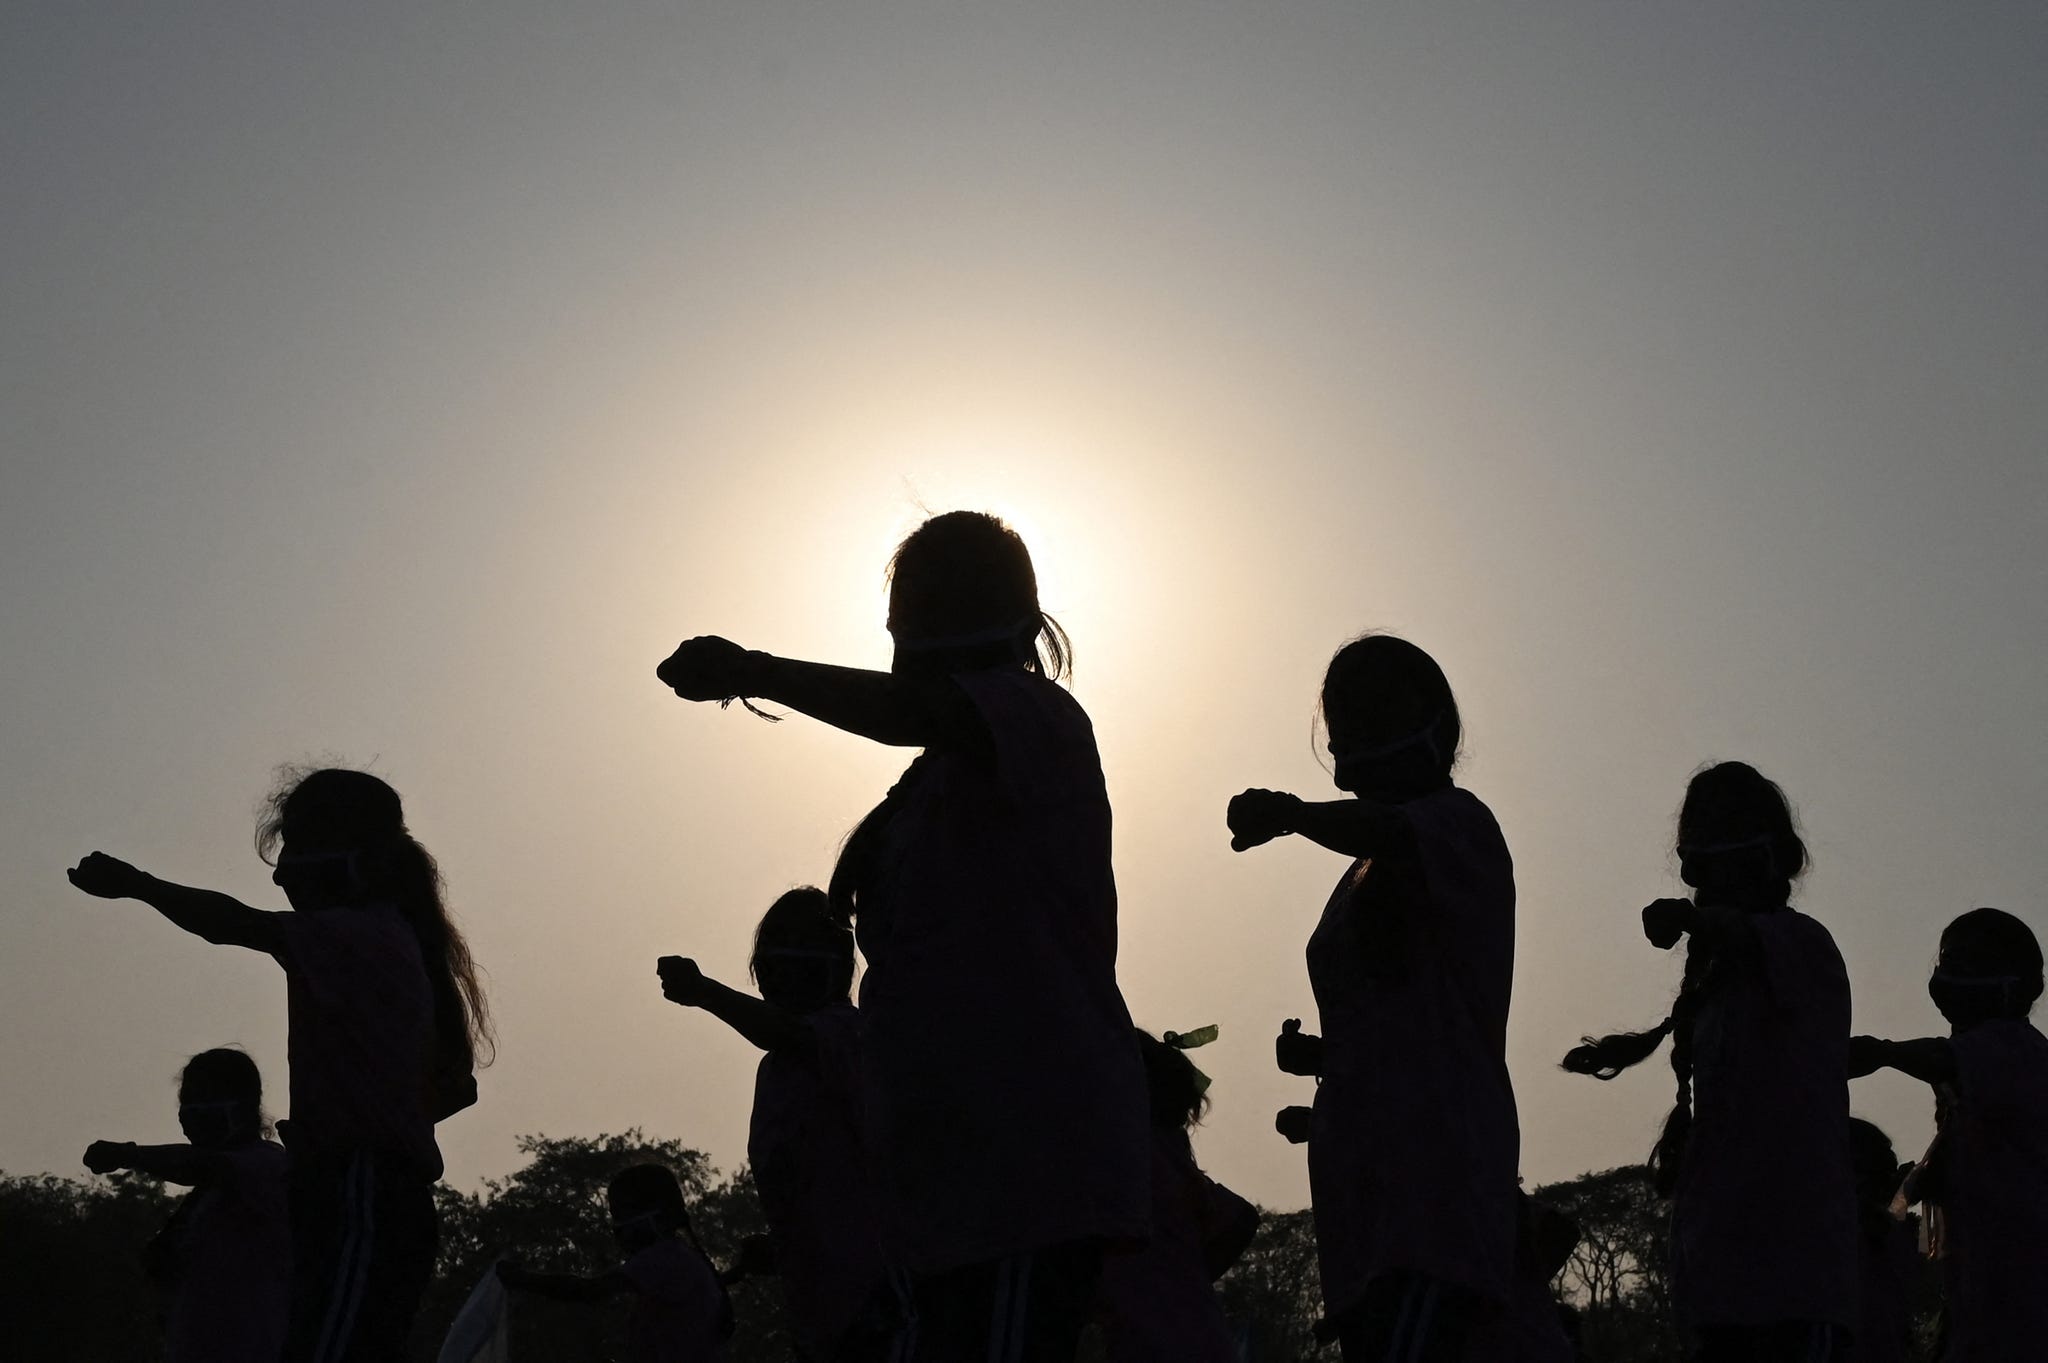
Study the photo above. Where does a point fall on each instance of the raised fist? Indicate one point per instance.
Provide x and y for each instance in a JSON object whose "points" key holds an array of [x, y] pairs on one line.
{"points": [[705, 668], [1259, 816], [681, 981], [107, 877], [1296, 1051], [1664, 922]]}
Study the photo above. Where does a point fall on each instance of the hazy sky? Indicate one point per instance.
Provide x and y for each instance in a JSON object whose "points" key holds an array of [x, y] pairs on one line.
{"points": [[399, 383]]}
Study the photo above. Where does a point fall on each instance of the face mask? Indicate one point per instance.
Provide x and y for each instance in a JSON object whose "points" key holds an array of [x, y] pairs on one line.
{"points": [[1971, 997], [637, 1232], [1019, 635], [337, 874], [215, 1123], [1358, 766]]}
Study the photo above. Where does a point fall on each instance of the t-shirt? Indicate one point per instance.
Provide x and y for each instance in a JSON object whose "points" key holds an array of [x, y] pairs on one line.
{"points": [[1414, 1144], [1156, 1303], [361, 1016], [1764, 1223], [235, 1257], [1006, 1103], [1995, 1203], [809, 1164], [677, 1309]]}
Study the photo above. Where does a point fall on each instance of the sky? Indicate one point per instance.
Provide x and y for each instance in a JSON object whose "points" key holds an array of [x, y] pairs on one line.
{"points": [[397, 384]]}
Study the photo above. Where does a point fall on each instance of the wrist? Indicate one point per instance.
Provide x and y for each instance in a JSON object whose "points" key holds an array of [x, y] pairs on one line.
{"points": [[756, 672]]}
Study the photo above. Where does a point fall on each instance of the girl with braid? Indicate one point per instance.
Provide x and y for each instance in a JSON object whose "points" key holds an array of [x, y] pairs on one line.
{"points": [[1755, 1155]]}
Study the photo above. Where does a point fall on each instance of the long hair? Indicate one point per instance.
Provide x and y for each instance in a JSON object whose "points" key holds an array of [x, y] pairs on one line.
{"points": [[337, 809], [963, 595], [1730, 812]]}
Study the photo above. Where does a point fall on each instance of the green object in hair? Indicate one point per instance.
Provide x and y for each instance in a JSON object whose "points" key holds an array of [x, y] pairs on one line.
{"points": [[1187, 1041]]}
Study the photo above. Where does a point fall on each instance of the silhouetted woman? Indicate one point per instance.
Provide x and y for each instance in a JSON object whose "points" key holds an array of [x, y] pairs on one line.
{"points": [[1158, 1303], [386, 1017], [679, 1313], [1985, 1179], [1755, 1155], [1413, 1140], [804, 1144], [1005, 1101], [225, 1256]]}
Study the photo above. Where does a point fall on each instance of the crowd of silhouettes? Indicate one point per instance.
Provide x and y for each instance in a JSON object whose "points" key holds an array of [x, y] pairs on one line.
{"points": [[983, 1156]]}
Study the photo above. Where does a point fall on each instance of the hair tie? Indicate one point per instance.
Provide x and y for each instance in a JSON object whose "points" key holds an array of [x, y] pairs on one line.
{"points": [[1188, 1041]]}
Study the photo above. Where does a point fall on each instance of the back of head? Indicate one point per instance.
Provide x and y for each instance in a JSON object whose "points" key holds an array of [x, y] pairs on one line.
{"points": [[648, 1189], [338, 810], [1178, 1097], [1392, 722], [803, 951], [220, 1098], [1993, 953], [963, 593], [221, 1075], [1736, 835]]}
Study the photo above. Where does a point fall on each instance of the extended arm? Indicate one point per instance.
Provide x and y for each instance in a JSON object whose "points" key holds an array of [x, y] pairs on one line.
{"points": [[874, 705], [758, 1020], [1727, 930], [218, 918], [1931, 1060], [186, 1164], [1352, 827]]}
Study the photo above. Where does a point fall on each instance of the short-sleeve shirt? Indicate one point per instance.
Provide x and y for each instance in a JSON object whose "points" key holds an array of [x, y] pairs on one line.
{"points": [[805, 1147], [1005, 1098], [1764, 1223], [678, 1310], [361, 1019], [1414, 1144], [1995, 1205], [234, 1290]]}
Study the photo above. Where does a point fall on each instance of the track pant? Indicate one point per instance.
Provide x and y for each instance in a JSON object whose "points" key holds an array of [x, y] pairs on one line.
{"points": [[1025, 1308], [1407, 1318], [364, 1236]]}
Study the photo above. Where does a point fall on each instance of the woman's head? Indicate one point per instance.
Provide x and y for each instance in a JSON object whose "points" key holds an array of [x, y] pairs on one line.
{"points": [[220, 1099], [646, 1205], [1737, 842], [1989, 968], [803, 956], [1179, 1097], [338, 838], [1391, 721], [963, 594]]}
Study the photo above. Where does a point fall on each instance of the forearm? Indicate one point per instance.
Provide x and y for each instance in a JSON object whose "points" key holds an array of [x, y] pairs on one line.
{"points": [[873, 705], [184, 1164], [1353, 828], [758, 1020], [1931, 1059], [219, 918], [1726, 929]]}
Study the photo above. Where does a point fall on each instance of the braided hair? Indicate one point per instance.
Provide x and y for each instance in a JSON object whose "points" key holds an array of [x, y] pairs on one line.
{"points": [[1735, 836]]}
